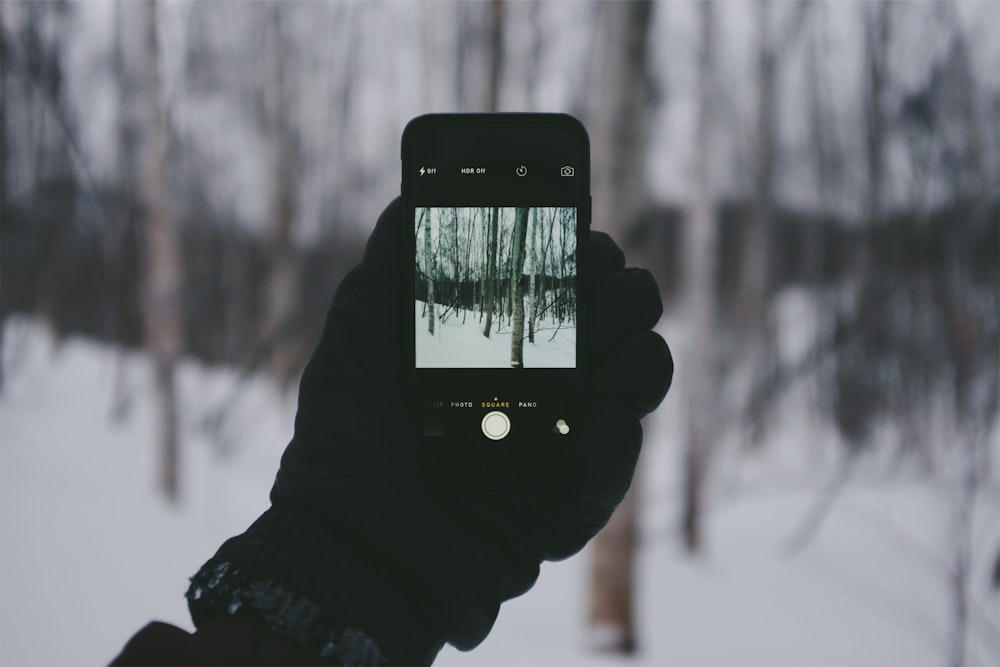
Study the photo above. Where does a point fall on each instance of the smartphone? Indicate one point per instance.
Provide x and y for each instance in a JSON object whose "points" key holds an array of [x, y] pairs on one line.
{"points": [[497, 213]]}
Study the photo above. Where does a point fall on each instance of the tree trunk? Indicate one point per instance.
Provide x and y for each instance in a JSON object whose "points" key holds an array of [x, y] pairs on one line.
{"points": [[279, 284], [855, 388], [496, 54], [621, 122], [700, 229], [612, 586], [127, 169], [517, 287], [5, 139], [758, 338], [491, 271], [531, 272], [876, 37], [162, 307]]}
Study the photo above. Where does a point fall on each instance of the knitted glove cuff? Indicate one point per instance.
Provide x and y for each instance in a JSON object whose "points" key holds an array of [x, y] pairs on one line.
{"points": [[292, 573], [224, 587]]}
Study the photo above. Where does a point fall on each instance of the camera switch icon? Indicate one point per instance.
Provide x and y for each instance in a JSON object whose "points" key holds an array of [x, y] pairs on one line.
{"points": [[567, 171]]}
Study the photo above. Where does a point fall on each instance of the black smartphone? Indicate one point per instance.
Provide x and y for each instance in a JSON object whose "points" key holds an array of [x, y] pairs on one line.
{"points": [[497, 213]]}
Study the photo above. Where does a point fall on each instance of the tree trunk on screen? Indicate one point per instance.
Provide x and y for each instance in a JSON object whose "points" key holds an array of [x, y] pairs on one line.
{"points": [[468, 270], [517, 287], [619, 159], [491, 271], [532, 271], [429, 270], [162, 307]]}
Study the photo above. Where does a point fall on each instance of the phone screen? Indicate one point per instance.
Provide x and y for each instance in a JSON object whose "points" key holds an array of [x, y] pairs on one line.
{"points": [[497, 205], [495, 287]]}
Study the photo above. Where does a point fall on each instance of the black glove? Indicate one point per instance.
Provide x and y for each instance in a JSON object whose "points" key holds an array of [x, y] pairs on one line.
{"points": [[355, 559]]}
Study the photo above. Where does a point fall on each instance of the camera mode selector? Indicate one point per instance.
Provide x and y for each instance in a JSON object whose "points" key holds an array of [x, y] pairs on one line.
{"points": [[496, 425]]}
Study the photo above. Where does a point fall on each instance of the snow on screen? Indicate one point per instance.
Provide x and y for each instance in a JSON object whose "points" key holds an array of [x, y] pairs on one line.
{"points": [[495, 287]]}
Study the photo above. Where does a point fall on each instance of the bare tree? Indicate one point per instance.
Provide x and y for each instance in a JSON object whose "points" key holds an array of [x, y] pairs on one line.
{"points": [[700, 383], [162, 307], [496, 54], [856, 398], [753, 312], [876, 50], [619, 121], [619, 136], [5, 140], [278, 102], [968, 343], [127, 163]]}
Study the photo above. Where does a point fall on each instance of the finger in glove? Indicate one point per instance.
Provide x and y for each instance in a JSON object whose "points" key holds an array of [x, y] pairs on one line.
{"points": [[622, 304], [636, 373]]}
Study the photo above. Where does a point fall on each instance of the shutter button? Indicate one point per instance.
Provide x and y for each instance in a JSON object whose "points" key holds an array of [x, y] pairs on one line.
{"points": [[496, 425]]}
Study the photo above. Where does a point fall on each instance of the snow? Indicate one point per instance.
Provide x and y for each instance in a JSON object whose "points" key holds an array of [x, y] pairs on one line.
{"points": [[462, 345], [89, 552]]}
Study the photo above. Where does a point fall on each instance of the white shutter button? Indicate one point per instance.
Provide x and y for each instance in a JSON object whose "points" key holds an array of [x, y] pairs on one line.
{"points": [[496, 425]]}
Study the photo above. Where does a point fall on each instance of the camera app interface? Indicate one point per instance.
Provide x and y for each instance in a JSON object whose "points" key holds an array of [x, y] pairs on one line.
{"points": [[494, 287]]}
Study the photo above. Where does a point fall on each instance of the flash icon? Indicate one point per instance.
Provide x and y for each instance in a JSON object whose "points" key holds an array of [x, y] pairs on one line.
{"points": [[422, 170]]}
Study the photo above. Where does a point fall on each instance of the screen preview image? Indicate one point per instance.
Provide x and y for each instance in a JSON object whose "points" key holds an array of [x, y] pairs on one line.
{"points": [[495, 287]]}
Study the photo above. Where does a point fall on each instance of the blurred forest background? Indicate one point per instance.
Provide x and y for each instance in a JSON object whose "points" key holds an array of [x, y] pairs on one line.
{"points": [[815, 185]]}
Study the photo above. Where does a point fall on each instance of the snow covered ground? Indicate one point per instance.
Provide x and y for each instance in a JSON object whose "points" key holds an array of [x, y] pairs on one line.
{"points": [[462, 345], [89, 552]]}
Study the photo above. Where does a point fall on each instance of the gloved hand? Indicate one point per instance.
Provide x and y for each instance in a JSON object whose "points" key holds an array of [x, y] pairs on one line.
{"points": [[355, 556]]}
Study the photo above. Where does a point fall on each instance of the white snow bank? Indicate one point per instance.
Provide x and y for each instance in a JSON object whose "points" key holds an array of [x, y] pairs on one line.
{"points": [[458, 342]]}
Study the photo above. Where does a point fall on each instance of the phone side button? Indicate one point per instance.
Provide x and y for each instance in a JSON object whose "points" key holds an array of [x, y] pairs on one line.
{"points": [[496, 425]]}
